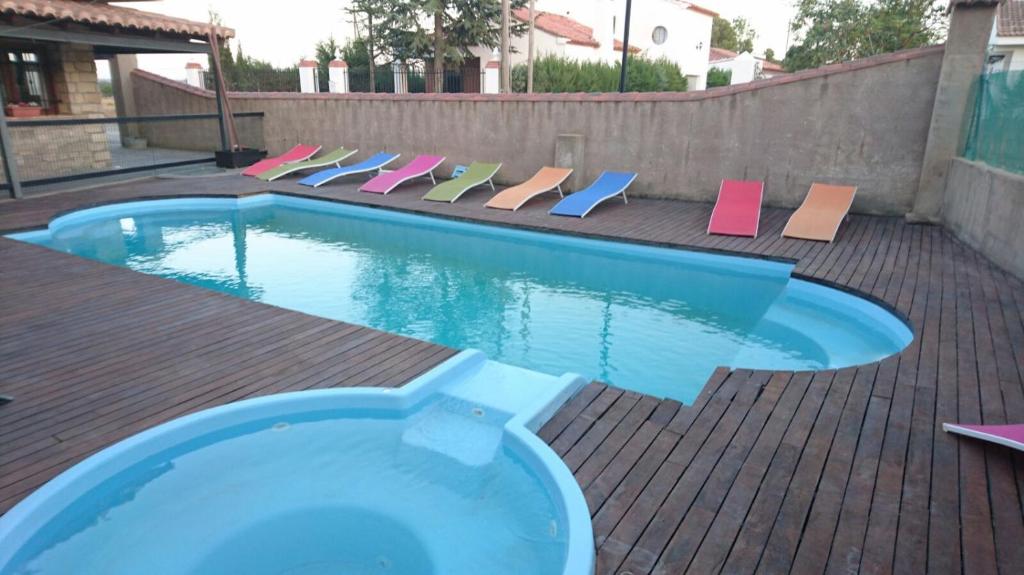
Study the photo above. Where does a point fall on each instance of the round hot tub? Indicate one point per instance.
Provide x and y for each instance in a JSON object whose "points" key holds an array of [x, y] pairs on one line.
{"points": [[412, 481]]}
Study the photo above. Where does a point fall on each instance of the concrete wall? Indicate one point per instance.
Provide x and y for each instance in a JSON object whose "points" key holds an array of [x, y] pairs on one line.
{"points": [[984, 207], [863, 123]]}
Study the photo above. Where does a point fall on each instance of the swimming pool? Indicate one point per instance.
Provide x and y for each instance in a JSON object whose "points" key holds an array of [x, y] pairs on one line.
{"points": [[650, 319], [441, 476]]}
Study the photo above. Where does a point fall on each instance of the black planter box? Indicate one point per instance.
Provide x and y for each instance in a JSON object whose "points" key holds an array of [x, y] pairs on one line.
{"points": [[238, 158]]}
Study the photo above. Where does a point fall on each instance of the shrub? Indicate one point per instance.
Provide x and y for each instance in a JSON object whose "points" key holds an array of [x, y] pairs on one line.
{"points": [[719, 77], [555, 74]]}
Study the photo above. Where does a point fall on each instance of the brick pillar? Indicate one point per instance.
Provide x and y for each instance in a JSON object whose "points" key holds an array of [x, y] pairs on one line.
{"points": [[492, 77], [121, 67], [338, 80], [194, 75], [307, 77], [970, 27]]}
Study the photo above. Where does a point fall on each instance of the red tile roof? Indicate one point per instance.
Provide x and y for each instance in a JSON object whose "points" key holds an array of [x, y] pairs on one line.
{"points": [[701, 10], [721, 54], [103, 14], [565, 27], [1011, 18]]}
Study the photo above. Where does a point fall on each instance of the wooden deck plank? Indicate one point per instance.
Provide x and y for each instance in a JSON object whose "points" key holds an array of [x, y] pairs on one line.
{"points": [[845, 471]]}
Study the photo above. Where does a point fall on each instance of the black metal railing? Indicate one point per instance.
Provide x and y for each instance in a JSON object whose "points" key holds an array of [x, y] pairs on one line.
{"points": [[52, 151], [412, 79]]}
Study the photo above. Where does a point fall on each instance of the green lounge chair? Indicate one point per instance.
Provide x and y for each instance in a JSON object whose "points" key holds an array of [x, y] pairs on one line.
{"points": [[475, 175], [336, 158]]}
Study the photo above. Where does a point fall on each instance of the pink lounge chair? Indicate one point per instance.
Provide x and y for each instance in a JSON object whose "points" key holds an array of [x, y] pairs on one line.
{"points": [[1011, 436], [419, 166], [299, 153], [738, 209]]}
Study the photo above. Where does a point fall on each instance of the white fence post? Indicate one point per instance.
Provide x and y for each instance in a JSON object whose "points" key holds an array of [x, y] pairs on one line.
{"points": [[307, 77], [492, 77], [338, 76]]}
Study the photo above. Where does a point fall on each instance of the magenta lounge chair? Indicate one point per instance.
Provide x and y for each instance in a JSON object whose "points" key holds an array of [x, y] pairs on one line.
{"points": [[1011, 436], [419, 166]]}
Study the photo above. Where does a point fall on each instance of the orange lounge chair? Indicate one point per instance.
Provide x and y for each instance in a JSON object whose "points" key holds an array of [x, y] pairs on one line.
{"points": [[823, 210], [545, 180]]}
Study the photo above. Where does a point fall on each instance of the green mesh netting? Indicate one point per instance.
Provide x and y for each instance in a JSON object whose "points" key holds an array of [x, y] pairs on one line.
{"points": [[996, 132]]}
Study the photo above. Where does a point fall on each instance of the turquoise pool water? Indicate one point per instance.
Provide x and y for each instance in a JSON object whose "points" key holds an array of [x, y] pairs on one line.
{"points": [[650, 319]]}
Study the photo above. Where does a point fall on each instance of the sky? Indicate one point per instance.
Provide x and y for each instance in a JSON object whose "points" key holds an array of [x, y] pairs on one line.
{"points": [[283, 36]]}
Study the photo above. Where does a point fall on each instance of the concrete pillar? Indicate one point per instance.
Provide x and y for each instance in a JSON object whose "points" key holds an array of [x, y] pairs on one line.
{"points": [[401, 75], [970, 27], [338, 76], [569, 153], [744, 68], [194, 75], [307, 77], [121, 67], [604, 30], [492, 77]]}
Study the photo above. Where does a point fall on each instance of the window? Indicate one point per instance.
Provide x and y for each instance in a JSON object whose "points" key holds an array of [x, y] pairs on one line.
{"points": [[25, 79], [659, 35]]}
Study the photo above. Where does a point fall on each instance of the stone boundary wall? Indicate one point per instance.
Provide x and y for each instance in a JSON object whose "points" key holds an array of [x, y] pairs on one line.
{"points": [[863, 123], [984, 207]]}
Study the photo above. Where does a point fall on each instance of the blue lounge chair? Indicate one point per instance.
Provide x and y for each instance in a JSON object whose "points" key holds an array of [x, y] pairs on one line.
{"points": [[375, 162], [608, 185]]}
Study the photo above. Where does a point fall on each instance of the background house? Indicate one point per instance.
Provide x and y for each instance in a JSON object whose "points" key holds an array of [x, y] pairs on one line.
{"points": [[1007, 45], [672, 29], [743, 65]]}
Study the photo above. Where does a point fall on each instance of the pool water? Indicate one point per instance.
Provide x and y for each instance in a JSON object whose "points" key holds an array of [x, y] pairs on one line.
{"points": [[650, 319]]}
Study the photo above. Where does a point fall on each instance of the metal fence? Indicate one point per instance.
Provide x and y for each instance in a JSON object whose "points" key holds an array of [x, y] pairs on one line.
{"points": [[51, 152], [411, 79], [996, 132]]}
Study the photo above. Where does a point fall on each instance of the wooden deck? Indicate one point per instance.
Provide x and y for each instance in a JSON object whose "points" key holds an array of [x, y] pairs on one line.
{"points": [[837, 471]]}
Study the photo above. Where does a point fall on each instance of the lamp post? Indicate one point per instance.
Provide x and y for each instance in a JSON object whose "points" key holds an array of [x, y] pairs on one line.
{"points": [[625, 47]]}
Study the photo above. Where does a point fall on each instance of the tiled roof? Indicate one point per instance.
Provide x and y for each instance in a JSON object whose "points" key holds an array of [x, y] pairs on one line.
{"points": [[953, 3], [1011, 18], [565, 27], [700, 9], [103, 14], [721, 54]]}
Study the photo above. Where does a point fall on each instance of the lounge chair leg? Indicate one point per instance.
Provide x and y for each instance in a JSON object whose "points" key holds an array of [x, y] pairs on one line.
{"points": [[559, 188], [432, 180], [624, 199], [492, 185]]}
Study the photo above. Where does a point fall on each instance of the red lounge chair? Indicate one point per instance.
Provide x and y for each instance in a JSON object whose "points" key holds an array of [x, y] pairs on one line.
{"points": [[1011, 436], [738, 209], [299, 153]]}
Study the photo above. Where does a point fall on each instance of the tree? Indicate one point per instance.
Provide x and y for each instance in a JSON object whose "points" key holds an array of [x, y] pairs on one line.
{"points": [[833, 31], [326, 50], [737, 36], [769, 55], [369, 14], [457, 25]]}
